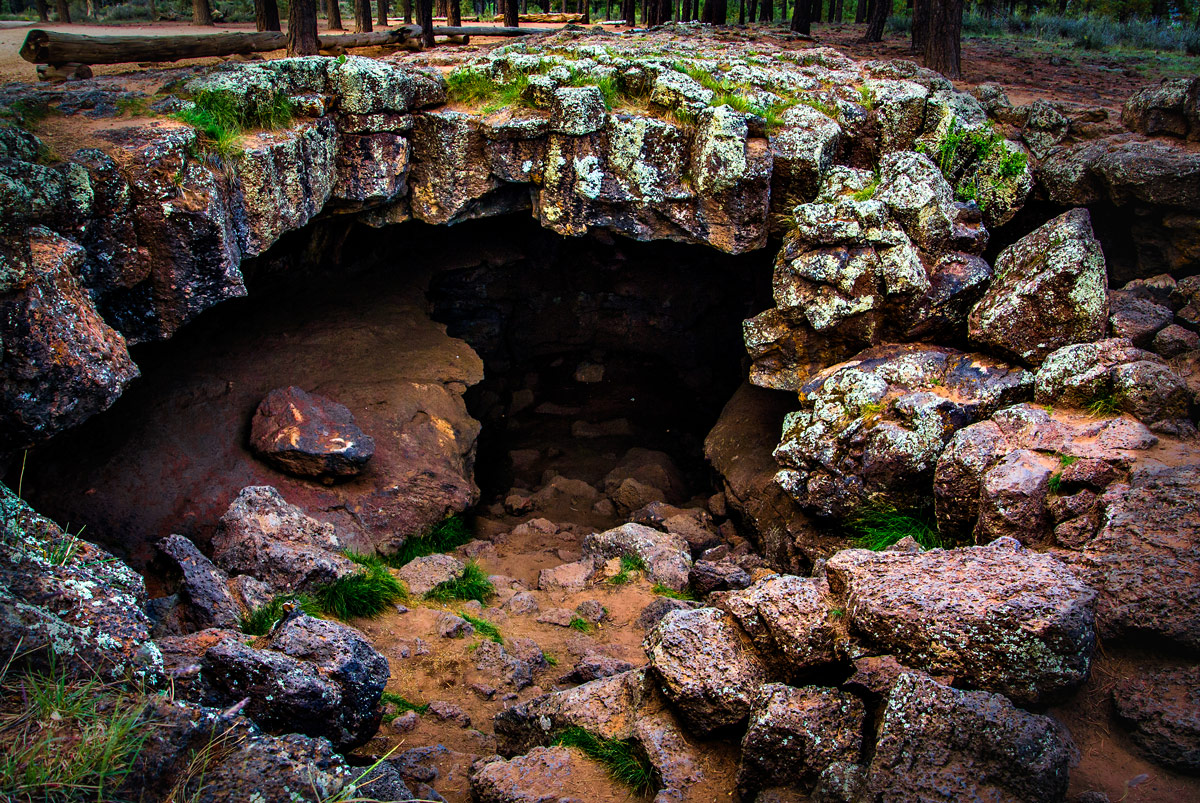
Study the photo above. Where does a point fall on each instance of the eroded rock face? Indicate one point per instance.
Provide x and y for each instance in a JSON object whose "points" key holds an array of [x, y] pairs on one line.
{"points": [[1050, 291], [939, 743], [263, 536], [207, 599], [869, 431], [1170, 107], [707, 668], [307, 435], [996, 617]]}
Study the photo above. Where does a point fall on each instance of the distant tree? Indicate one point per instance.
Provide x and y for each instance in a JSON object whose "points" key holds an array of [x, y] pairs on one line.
{"points": [[920, 24], [266, 15], [201, 13], [877, 14], [425, 20], [384, 7], [302, 28], [64, 11], [943, 37], [800, 21], [512, 13], [43, 11], [362, 16], [333, 13]]}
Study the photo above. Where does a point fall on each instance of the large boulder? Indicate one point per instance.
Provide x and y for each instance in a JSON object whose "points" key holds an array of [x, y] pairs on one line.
{"points": [[795, 734], [789, 618], [1172, 107], [309, 435], [1050, 291], [869, 431], [996, 617], [668, 558], [939, 743], [308, 675], [707, 667], [263, 536], [1161, 709], [1114, 375], [1034, 474], [543, 774]]}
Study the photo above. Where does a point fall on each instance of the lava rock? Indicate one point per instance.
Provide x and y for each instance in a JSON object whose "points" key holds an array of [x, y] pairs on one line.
{"points": [[706, 577], [263, 536], [707, 667], [789, 618], [668, 558], [205, 587], [426, 573], [939, 743], [1050, 290], [543, 774], [996, 617], [1162, 712], [307, 435], [796, 733]]}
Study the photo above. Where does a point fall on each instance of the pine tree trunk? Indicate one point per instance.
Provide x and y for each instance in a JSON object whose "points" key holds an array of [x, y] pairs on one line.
{"points": [[153, 11], [408, 11], [384, 8], [920, 24], [943, 47], [800, 23], [839, 15], [64, 11], [335, 16], [201, 13], [860, 11], [302, 28], [362, 16], [512, 14], [814, 11], [266, 15], [455, 18], [425, 20], [43, 11], [877, 14]]}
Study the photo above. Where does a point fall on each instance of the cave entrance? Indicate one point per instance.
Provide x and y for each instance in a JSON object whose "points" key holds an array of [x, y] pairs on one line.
{"points": [[590, 347]]}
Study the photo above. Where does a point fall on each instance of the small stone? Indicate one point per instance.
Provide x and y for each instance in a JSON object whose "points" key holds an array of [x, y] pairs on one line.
{"points": [[522, 603], [406, 722], [449, 712], [451, 626], [556, 616], [591, 610]]}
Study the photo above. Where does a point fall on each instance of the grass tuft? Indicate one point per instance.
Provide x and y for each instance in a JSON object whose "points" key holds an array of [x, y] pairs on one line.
{"points": [[483, 627], [879, 529], [580, 624], [867, 192], [1104, 405], [625, 760], [629, 563], [260, 620], [402, 704], [220, 117], [365, 594], [444, 536], [666, 591], [472, 584]]}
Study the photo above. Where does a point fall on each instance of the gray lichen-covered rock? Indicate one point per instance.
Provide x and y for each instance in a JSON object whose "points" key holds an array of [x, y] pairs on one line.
{"points": [[1161, 709], [1172, 107], [667, 557], [795, 734], [1050, 291], [62, 595], [938, 743], [869, 431], [1114, 375], [263, 536], [996, 617], [308, 675], [789, 618], [707, 667]]}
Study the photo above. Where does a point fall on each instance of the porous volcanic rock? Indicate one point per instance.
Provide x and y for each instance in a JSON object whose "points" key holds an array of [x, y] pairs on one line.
{"points": [[208, 600], [1172, 107], [263, 536], [707, 667], [997, 617], [307, 435], [668, 558], [426, 573], [796, 733], [1050, 291], [789, 618], [543, 774], [870, 430], [1162, 712], [939, 743]]}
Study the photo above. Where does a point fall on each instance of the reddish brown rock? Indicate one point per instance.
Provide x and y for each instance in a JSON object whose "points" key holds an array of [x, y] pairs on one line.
{"points": [[307, 435], [1162, 712]]}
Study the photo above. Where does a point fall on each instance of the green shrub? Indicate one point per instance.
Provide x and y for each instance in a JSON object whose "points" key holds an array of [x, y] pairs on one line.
{"points": [[879, 529], [483, 627], [472, 584], [625, 760], [365, 594], [665, 591], [580, 624], [630, 563]]}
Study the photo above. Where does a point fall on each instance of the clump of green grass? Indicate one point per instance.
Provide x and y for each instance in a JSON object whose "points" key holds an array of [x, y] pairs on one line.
{"points": [[133, 107], [816, 103], [401, 704], [630, 563], [625, 760], [866, 97], [470, 86], [580, 624], [220, 117], [260, 620], [1104, 405], [483, 627], [879, 529], [66, 739], [666, 591], [364, 594], [867, 192], [1067, 460], [471, 584], [551, 659], [444, 536]]}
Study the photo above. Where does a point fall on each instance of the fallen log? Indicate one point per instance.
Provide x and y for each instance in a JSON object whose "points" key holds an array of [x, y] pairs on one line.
{"points": [[479, 30], [56, 47]]}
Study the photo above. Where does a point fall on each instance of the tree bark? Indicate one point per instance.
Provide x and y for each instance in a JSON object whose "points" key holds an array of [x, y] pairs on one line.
{"points": [[425, 20], [920, 24], [512, 14], [302, 28], [335, 16], [455, 17], [408, 11], [362, 16], [800, 22], [201, 13], [64, 12], [384, 9], [943, 47], [266, 15], [43, 11], [877, 14], [860, 12]]}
